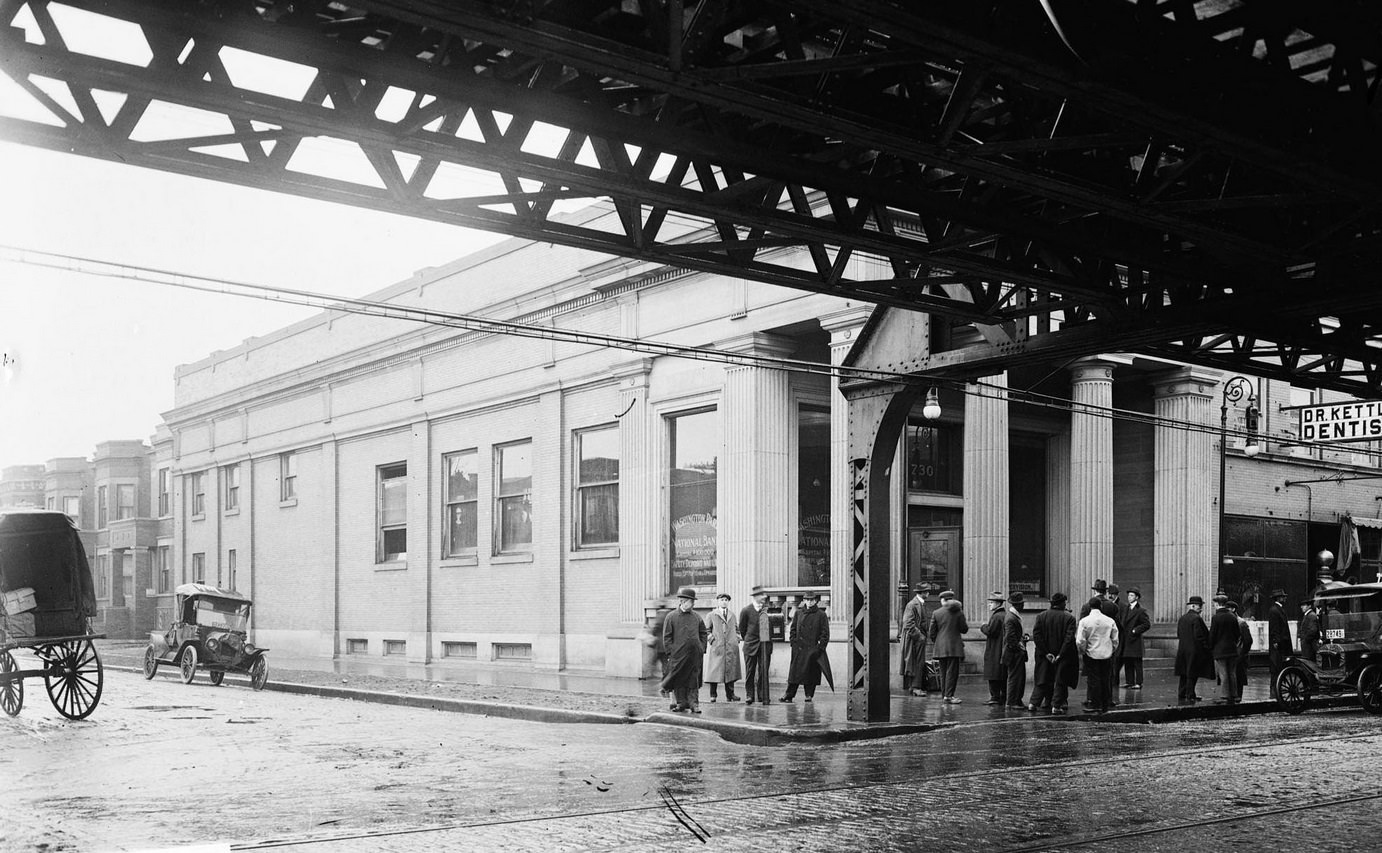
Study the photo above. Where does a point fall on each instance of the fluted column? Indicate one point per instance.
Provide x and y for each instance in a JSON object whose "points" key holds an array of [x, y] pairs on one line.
{"points": [[757, 500], [986, 522], [642, 573], [1058, 513], [843, 326], [1183, 552], [1091, 475]]}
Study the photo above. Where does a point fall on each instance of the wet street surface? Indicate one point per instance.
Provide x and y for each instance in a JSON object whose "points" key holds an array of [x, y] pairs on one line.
{"points": [[162, 764]]}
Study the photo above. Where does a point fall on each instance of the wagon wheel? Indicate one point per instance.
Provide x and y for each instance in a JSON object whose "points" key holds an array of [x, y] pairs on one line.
{"points": [[187, 664], [74, 678], [1293, 690], [12, 691], [1370, 688], [216, 677], [150, 663], [259, 673]]}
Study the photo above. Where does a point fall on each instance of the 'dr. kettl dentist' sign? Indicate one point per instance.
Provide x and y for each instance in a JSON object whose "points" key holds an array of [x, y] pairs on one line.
{"points": [[1356, 421]]}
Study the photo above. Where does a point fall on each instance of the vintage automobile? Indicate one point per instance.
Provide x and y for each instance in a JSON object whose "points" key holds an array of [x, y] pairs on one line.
{"points": [[1350, 658], [210, 632]]}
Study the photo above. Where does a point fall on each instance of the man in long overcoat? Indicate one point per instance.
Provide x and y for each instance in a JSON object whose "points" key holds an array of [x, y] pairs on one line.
{"points": [[1136, 622], [1278, 636], [809, 634], [1193, 658], [756, 631], [722, 655], [1057, 669], [993, 649], [947, 627], [1225, 640], [1014, 652], [914, 642], [683, 635]]}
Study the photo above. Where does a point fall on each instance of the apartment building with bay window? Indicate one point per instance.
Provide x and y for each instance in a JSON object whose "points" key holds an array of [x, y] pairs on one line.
{"points": [[428, 490]]}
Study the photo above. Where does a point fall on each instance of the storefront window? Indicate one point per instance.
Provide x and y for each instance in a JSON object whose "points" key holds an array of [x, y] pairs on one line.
{"points": [[1027, 515], [692, 480], [1266, 554], [813, 496], [933, 460]]}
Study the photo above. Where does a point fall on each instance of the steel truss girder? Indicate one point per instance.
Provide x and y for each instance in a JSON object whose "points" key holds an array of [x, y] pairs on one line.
{"points": [[987, 174]]}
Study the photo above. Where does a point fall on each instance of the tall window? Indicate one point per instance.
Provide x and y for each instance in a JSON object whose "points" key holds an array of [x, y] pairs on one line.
{"points": [[597, 487], [103, 576], [124, 501], [933, 459], [695, 442], [163, 578], [232, 474], [813, 496], [165, 491], [288, 476], [230, 569], [393, 513], [199, 493], [462, 494], [101, 508], [198, 568], [513, 497], [72, 506]]}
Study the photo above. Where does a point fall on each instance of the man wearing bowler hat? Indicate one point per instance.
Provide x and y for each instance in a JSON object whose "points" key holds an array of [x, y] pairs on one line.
{"points": [[1057, 666], [684, 635], [1278, 636], [809, 634], [758, 646], [1194, 659]]}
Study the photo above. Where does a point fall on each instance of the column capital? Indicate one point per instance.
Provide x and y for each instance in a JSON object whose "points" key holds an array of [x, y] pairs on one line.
{"points": [[758, 343], [1186, 381], [632, 374], [843, 325], [1091, 370]]}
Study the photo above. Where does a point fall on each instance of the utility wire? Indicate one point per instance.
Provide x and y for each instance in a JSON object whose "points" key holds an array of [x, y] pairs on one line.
{"points": [[487, 325]]}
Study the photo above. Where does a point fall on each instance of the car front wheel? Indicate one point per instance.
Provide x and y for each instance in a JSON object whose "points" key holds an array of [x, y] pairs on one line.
{"points": [[1293, 690], [187, 664], [259, 673], [1370, 688], [150, 663]]}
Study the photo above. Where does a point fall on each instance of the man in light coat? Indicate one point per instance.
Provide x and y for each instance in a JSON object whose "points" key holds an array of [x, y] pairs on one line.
{"points": [[722, 654], [1096, 637], [948, 625]]}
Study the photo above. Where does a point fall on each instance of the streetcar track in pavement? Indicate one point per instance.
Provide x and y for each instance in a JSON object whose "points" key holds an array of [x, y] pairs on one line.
{"points": [[973, 775]]}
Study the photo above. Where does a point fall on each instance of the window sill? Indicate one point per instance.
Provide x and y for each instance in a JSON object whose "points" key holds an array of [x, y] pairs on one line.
{"points": [[594, 554], [199, 517], [391, 566], [288, 502], [461, 561], [500, 559], [235, 511]]}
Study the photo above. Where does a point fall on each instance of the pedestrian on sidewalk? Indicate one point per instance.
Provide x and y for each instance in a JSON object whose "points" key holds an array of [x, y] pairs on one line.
{"points": [[1278, 636], [1225, 637], [1057, 667], [722, 655], [1309, 630], [810, 637], [1244, 646], [1096, 637], [993, 649], [1014, 652], [1136, 623], [758, 646], [914, 642], [947, 625], [653, 635], [684, 636], [1193, 658]]}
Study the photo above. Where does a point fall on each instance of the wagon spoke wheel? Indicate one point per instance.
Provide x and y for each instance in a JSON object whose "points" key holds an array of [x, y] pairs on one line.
{"points": [[74, 678], [1293, 690], [259, 673], [150, 663], [12, 691], [187, 664], [1370, 689], [216, 677]]}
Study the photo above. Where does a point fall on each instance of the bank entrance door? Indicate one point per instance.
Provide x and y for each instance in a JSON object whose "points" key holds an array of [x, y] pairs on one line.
{"points": [[933, 556]]}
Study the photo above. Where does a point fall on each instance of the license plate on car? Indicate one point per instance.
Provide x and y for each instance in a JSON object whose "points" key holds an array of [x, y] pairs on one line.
{"points": [[1334, 633]]}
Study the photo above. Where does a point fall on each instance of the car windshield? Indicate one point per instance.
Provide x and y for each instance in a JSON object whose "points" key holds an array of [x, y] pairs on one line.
{"points": [[219, 613], [1351, 617]]}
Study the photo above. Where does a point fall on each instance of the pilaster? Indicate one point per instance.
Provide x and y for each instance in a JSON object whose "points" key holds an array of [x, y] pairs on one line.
{"points": [[642, 573], [986, 492]]}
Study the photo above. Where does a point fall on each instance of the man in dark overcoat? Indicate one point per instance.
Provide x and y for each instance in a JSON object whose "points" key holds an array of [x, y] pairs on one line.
{"points": [[1014, 652], [993, 649], [758, 646], [1057, 668], [1244, 646], [1193, 658], [809, 634], [1225, 638], [1309, 630], [914, 642], [1278, 636], [948, 625], [684, 636]]}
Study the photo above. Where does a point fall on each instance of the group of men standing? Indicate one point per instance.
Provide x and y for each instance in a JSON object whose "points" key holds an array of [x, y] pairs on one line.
{"points": [[697, 651]]}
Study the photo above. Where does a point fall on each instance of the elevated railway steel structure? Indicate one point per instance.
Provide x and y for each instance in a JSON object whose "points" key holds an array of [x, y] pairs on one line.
{"points": [[1195, 179]]}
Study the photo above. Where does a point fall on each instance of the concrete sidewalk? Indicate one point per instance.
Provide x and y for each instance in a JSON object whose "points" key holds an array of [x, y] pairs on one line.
{"points": [[575, 698]]}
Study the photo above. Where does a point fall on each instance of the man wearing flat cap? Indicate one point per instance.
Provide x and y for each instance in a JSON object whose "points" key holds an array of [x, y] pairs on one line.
{"points": [[1278, 636], [1193, 658], [914, 642]]}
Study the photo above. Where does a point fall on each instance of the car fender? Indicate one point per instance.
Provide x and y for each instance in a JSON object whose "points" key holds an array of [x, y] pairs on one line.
{"points": [[158, 643]]}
